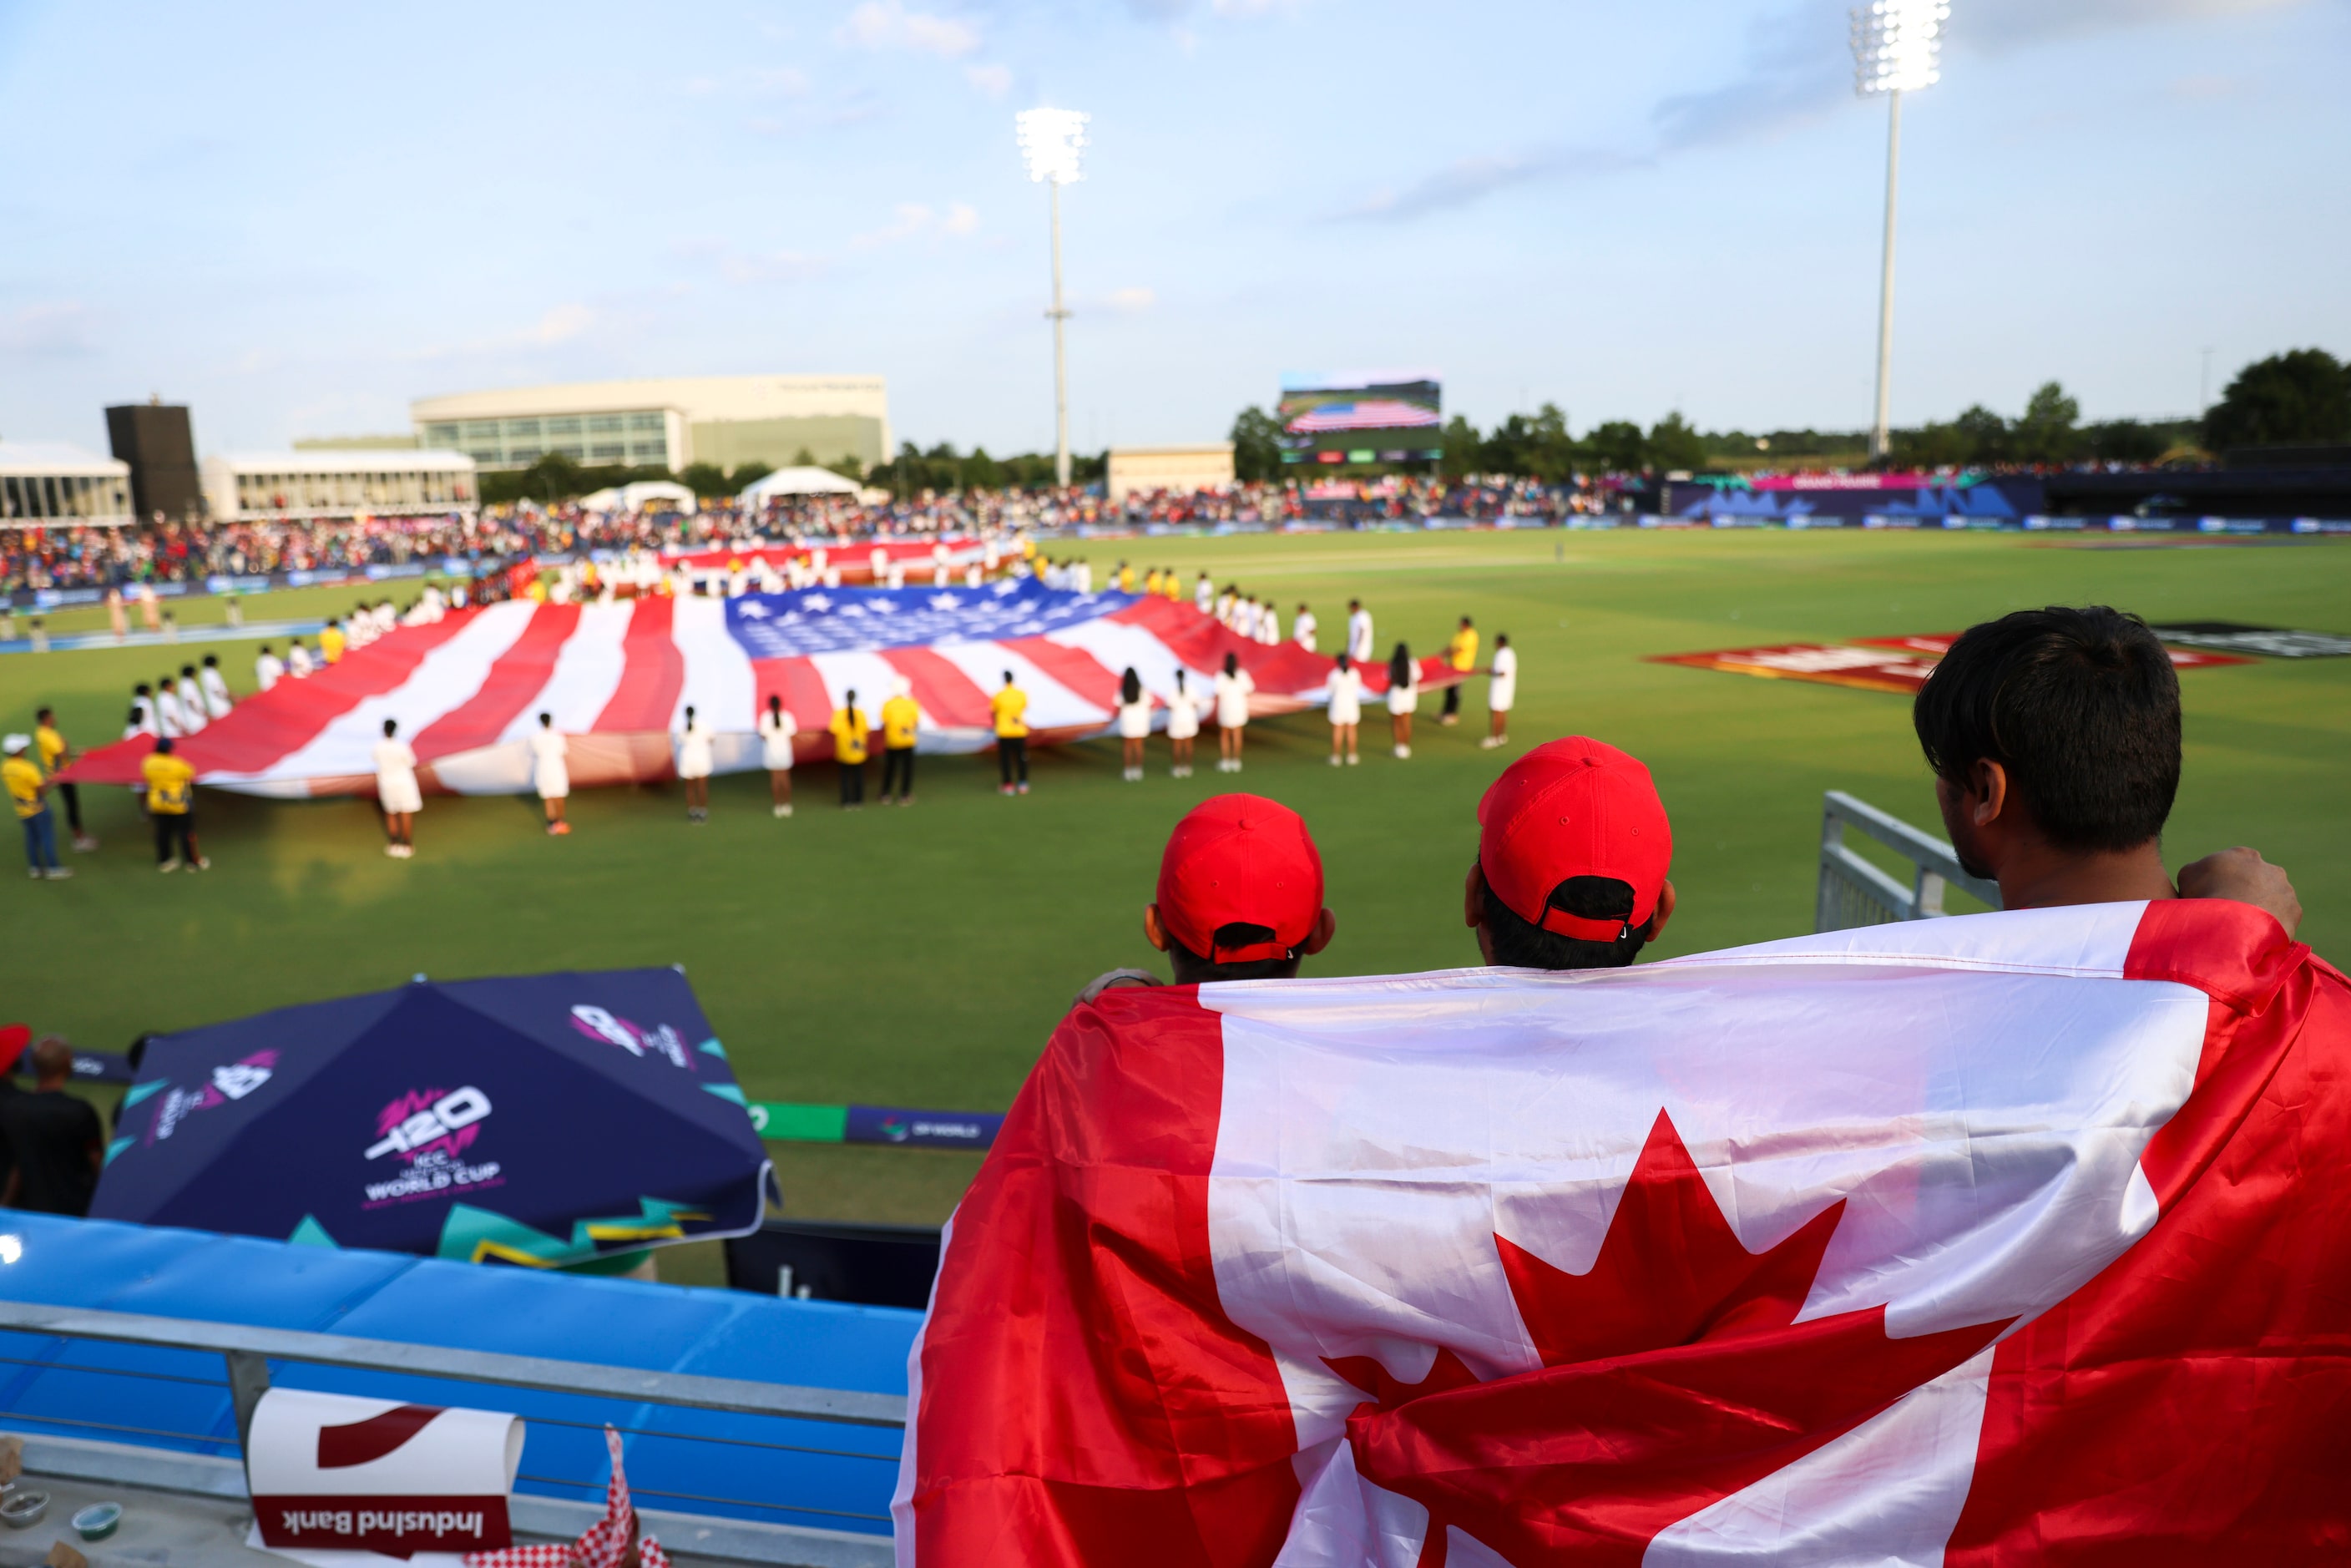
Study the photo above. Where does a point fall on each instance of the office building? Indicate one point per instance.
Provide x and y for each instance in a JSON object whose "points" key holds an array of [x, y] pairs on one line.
{"points": [[727, 421], [1175, 468]]}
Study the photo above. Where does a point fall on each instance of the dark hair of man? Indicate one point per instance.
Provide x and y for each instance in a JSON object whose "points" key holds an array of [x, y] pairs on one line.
{"points": [[2080, 707], [1193, 969], [43, 714], [1524, 945], [392, 727]]}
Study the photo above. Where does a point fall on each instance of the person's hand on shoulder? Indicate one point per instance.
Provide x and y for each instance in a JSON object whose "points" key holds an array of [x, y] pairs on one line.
{"points": [[2241, 874]]}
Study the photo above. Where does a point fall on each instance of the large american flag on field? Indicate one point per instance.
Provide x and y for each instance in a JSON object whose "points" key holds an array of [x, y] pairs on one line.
{"points": [[618, 677], [2020, 1237]]}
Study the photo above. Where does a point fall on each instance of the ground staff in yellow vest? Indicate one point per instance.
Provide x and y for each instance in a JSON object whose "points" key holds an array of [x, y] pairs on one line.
{"points": [[1461, 653]]}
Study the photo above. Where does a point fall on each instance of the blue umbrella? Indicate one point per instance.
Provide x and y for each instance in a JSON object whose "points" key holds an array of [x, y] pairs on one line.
{"points": [[539, 1120]]}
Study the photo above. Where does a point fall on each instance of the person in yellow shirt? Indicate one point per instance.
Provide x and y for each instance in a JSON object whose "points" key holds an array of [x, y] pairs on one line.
{"points": [[1461, 653], [172, 805], [1151, 583], [26, 789], [900, 719], [1008, 705], [1125, 577], [1174, 586], [849, 737], [331, 642], [51, 746]]}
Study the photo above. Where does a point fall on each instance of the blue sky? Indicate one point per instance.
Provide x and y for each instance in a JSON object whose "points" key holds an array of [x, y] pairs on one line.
{"points": [[298, 217]]}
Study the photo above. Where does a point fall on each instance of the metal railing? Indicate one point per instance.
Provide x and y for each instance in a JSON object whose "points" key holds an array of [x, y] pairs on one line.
{"points": [[1853, 892], [246, 1355]]}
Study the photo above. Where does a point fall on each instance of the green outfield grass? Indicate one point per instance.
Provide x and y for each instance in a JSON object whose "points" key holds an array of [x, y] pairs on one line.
{"points": [[921, 956]]}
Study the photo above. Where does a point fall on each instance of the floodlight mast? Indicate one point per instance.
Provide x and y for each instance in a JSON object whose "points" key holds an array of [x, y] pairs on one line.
{"points": [[1050, 142], [1898, 47]]}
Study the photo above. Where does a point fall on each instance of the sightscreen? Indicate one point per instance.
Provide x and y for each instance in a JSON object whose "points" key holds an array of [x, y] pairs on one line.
{"points": [[1360, 416]]}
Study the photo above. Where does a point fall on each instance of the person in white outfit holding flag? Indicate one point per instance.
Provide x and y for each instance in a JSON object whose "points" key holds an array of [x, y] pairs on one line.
{"points": [[551, 773], [217, 702], [268, 669], [1233, 688], [1133, 723], [1501, 692], [192, 718], [1302, 628], [777, 729], [1346, 710], [1183, 726], [397, 792], [1359, 632], [695, 759], [1404, 697]]}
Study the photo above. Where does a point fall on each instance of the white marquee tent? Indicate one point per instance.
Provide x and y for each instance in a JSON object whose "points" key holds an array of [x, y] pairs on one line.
{"points": [[638, 496], [796, 482]]}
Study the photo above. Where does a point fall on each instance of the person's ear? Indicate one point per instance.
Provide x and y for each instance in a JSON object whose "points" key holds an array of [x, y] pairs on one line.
{"points": [[1665, 911], [1987, 791], [1473, 897], [1153, 931], [1326, 925]]}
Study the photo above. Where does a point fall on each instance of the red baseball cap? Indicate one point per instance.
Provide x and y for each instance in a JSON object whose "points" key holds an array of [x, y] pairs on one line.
{"points": [[1240, 859], [14, 1039], [1573, 807]]}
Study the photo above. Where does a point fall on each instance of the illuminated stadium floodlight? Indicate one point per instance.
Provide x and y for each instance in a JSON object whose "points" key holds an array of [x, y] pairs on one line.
{"points": [[1051, 140], [1898, 47]]}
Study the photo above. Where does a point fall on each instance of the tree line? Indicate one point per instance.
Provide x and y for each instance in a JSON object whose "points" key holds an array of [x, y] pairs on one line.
{"points": [[2301, 397]]}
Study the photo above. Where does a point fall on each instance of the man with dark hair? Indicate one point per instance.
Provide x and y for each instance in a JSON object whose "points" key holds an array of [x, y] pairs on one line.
{"points": [[53, 1139], [1572, 850], [2054, 738], [1239, 897]]}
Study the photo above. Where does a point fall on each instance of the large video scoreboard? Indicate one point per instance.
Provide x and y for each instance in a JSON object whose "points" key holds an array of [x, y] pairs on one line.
{"points": [[1360, 416]]}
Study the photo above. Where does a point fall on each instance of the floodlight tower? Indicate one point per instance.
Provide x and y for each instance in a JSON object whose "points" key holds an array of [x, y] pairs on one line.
{"points": [[1898, 46], [1050, 142]]}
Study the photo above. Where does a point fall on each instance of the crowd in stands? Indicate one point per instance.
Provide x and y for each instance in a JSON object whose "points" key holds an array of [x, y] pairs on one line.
{"points": [[87, 557]]}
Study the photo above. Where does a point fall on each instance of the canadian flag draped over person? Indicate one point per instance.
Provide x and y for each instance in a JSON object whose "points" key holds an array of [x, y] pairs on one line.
{"points": [[2010, 1238]]}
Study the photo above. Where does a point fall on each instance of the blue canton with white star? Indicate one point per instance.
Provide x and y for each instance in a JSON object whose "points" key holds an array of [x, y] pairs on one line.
{"points": [[856, 619]]}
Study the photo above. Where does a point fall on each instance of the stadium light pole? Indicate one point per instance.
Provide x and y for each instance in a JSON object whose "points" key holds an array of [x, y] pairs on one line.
{"points": [[1050, 142], [1898, 46]]}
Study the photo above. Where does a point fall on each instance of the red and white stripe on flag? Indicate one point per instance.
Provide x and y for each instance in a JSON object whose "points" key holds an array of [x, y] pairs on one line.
{"points": [[2016, 1238]]}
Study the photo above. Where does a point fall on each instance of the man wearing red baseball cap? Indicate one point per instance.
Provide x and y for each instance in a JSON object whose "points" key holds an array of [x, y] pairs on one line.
{"points": [[1240, 898], [1572, 850]]}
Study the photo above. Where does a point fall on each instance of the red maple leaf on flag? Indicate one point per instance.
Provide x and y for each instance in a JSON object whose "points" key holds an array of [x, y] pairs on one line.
{"points": [[1674, 1373]]}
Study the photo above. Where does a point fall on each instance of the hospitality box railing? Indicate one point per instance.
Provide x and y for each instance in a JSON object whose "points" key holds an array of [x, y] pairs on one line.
{"points": [[705, 1526]]}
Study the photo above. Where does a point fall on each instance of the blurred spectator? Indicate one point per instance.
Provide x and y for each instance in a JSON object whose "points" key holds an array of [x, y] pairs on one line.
{"points": [[55, 1142]]}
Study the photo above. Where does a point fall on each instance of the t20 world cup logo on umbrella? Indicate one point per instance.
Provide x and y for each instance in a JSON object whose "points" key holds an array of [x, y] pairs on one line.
{"points": [[430, 1130]]}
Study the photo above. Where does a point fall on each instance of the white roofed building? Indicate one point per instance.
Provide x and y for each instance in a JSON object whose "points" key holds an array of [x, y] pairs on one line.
{"points": [[50, 483], [247, 487], [727, 420]]}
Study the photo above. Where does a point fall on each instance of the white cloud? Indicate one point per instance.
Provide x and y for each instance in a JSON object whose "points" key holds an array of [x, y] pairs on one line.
{"points": [[782, 81], [993, 80], [563, 323], [888, 25], [1133, 300], [770, 266], [59, 328], [2004, 24], [919, 220]]}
